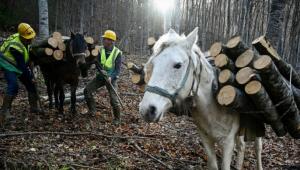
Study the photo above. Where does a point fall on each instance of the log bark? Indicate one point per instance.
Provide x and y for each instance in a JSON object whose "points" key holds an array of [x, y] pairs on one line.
{"points": [[280, 93], [245, 59], [58, 54], [263, 46], [244, 75], [226, 77], [223, 62], [136, 69], [235, 47], [264, 104]]}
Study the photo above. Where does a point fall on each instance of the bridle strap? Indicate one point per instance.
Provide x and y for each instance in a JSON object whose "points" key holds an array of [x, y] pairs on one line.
{"points": [[79, 54], [165, 93]]}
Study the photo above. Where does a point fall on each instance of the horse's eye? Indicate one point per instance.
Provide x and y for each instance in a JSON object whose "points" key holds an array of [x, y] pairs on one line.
{"points": [[177, 65]]}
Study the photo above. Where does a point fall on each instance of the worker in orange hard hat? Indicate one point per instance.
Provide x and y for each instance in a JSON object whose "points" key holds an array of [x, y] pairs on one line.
{"points": [[110, 60], [14, 61]]}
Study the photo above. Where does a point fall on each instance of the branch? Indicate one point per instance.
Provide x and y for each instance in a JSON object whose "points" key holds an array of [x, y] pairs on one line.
{"points": [[149, 155]]}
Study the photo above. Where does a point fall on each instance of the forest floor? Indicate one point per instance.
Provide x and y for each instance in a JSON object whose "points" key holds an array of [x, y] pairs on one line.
{"points": [[81, 141]]}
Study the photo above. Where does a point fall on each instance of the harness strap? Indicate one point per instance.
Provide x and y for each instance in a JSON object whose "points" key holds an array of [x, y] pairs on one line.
{"points": [[162, 92]]}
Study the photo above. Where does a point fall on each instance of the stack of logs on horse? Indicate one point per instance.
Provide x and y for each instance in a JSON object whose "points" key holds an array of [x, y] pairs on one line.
{"points": [[52, 49], [62, 59], [261, 84], [258, 84]]}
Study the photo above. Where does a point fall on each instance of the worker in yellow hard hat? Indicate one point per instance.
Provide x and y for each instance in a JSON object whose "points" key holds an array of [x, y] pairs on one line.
{"points": [[14, 61], [110, 58]]}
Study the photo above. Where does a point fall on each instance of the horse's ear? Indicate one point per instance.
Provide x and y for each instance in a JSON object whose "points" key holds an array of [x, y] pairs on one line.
{"points": [[171, 31], [85, 33], [192, 38], [72, 34]]}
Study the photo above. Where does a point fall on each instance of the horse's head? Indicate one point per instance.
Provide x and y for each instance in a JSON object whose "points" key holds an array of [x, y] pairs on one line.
{"points": [[171, 66], [77, 48], [77, 52]]}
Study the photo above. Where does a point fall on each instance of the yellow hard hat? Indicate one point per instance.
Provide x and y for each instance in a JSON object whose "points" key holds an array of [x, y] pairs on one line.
{"points": [[26, 31], [110, 35]]}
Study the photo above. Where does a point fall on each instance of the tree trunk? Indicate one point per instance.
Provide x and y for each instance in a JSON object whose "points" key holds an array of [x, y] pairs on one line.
{"points": [[280, 93], [223, 62], [43, 19], [265, 106], [274, 28]]}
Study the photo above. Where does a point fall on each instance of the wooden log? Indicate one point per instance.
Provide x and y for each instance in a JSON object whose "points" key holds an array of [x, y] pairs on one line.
{"points": [[226, 77], [95, 52], [88, 53], [89, 40], [216, 49], [138, 79], [223, 62], [58, 55], [57, 36], [43, 51], [97, 47], [61, 46], [136, 69], [262, 101], [244, 75], [235, 47], [280, 93], [263, 46], [229, 96], [50, 42], [246, 59]]}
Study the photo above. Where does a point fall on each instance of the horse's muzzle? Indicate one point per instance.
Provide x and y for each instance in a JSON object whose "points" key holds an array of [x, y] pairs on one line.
{"points": [[151, 114]]}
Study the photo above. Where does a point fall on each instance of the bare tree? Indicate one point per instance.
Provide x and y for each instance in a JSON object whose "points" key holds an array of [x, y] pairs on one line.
{"points": [[43, 19]]}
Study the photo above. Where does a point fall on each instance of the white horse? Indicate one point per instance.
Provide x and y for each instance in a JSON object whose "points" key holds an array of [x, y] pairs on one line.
{"points": [[179, 70]]}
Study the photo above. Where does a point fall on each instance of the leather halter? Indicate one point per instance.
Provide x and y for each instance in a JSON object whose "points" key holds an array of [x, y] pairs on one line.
{"points": [[173, 96], [75, 54]]}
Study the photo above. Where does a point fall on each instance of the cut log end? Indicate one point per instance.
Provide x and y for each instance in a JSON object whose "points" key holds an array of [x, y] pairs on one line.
{"points": [[151, 41], [244, 59], [48, 51], [233, 42], [259, 39], [53, 42], [253, 87], [58, 55], [95, 52], [88, 53], [263, 46], [137, 79], [262, 62], [226, 96], [215, 49], [61, 46], [221, 60], [89, 40], [225, 76], [244, 75]]}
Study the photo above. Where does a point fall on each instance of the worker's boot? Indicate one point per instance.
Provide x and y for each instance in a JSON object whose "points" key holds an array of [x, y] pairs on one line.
{"points": [[5, 116], [33, 102], [117, 115], [91, 106]]}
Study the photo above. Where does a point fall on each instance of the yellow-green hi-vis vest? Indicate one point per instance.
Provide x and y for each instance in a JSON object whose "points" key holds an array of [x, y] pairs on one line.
{"points": [[14, 42], [109, 63]]}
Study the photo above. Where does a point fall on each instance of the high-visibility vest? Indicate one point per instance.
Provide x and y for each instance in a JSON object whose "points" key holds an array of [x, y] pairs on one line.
{"points": [[109, 63], [14, 42]]}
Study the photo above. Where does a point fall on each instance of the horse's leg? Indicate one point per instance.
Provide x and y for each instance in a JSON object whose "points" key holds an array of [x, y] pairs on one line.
{"points": [[61, 98], [49, 85], [56, 90], [240, 146], [73, 98], [228, 145], [210, 151], [258, 149]]}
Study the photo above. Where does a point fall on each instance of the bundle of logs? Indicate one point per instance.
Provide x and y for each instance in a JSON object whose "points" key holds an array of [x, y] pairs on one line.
{"points": [[52, 49], [259, 84]]}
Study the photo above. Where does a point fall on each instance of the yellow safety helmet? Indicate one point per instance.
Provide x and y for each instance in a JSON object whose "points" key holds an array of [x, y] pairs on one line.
{"points": [[26, 31], [110, 35]]}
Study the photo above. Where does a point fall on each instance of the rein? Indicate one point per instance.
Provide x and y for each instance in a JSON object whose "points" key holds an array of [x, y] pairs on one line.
{"points": [[173, 96]]}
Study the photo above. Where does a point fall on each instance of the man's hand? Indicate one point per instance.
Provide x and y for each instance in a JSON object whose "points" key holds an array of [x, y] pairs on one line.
{"points": [[109, 79]]}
